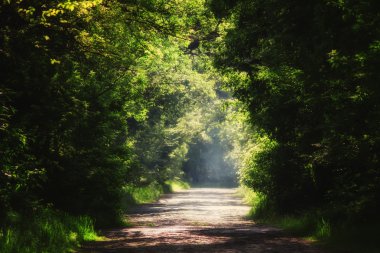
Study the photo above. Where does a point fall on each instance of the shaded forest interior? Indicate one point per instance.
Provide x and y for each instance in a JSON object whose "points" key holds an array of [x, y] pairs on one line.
{"points": [[103, 100]]}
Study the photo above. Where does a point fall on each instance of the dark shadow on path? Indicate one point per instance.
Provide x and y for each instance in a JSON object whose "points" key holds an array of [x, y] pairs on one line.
{"points": [[197, 220], [191, 239]]}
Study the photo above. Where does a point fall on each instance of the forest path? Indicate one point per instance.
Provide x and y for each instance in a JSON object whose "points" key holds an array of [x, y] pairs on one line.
{"points": [[197, 220]]}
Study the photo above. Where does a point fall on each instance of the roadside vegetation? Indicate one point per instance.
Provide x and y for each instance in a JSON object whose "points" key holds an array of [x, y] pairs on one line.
{"points": [[133, 195], [315, 225], [46, 231]]}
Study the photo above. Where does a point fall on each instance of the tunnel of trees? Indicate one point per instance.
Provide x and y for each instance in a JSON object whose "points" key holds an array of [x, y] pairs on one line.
{"points": [[282, 97]]}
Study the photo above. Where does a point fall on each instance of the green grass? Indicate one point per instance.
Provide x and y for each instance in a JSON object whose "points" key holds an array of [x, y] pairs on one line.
{"points": [[46, 232], [311, 226], [249, 196], [259, 207], [176, 185], [140, 195], [133, 195], [315, 225]]}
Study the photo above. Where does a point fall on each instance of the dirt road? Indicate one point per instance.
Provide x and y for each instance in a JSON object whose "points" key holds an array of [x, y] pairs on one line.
{"points": [[197, 220]]}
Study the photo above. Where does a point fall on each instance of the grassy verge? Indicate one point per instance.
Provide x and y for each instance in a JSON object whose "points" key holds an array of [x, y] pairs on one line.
{"points": [[249, 197], [133, 195], [136, 195], [176, 185], [48, 231], [310, 225], [350, 237], [317, 226]]}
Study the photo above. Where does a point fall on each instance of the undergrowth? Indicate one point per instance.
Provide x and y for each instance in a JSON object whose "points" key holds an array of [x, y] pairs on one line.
{"points": [[48, 231], [176, 185], [351, 236], [139, 195], [133, 195]]}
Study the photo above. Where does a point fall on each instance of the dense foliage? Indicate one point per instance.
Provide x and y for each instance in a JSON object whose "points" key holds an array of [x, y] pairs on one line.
{"points": [[307, 72], [98, 97]]}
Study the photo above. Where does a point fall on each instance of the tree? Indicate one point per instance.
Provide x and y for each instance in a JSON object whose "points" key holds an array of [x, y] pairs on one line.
{"points": [[78, 80], [306, 72]]}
